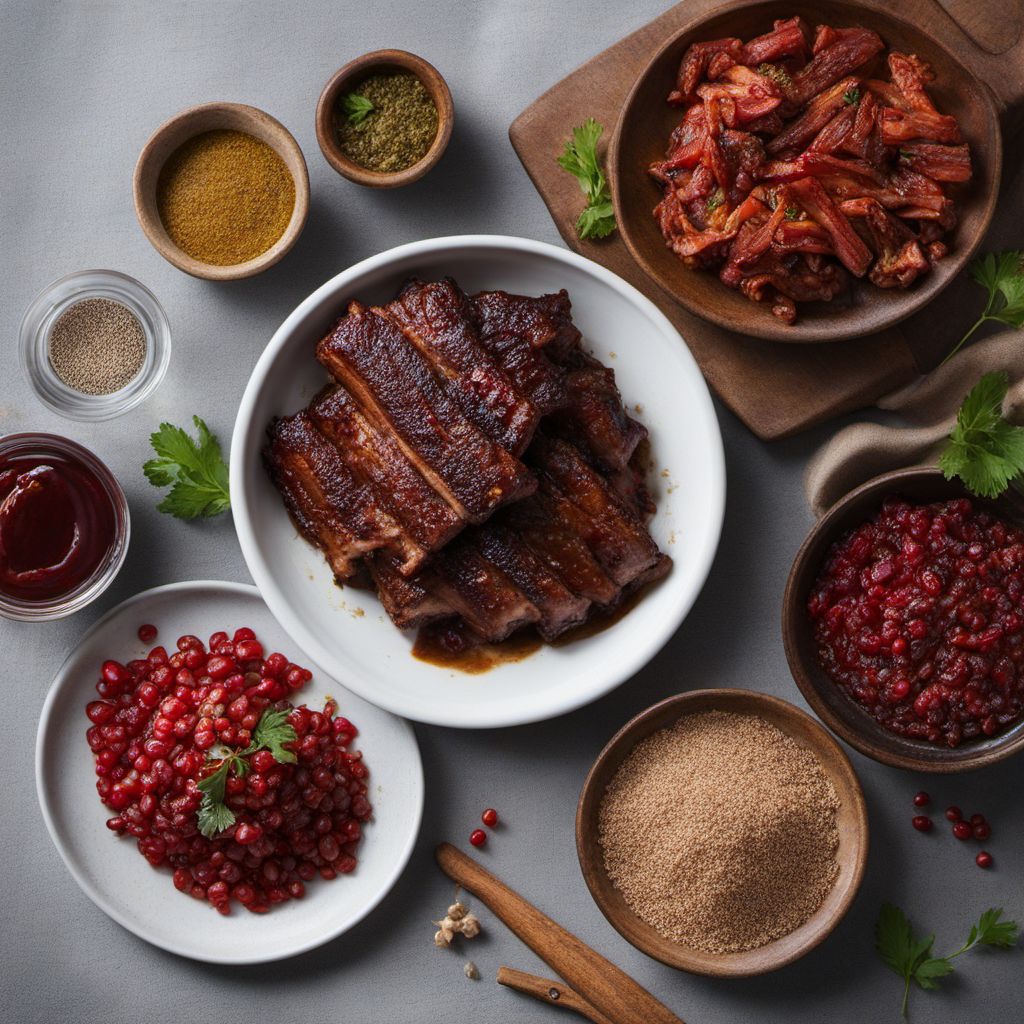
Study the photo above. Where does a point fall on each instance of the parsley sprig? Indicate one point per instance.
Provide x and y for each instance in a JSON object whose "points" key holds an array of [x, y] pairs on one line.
{"points": [[356, 108], [272, 732], [195, 472], [580, 159], [984, 450], [911, 957], [1001, 274]]}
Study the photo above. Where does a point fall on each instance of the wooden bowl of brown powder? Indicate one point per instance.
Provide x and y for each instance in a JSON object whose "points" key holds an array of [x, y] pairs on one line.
{"points": [[723, 832]]}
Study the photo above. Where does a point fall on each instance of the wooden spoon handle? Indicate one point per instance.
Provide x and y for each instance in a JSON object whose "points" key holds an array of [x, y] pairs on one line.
{"points": [[597, 980], [554, 993]]}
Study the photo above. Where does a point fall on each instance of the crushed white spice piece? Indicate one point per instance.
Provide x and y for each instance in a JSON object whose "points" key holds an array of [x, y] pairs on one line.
{"points": [[458, 921], [470, 971], [720, 832]]}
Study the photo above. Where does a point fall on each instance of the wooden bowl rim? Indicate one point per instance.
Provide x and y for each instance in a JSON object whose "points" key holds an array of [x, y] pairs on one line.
{"points": [[767, 327], [145, 205], [360, 67], [866, 735], [835, 764]]}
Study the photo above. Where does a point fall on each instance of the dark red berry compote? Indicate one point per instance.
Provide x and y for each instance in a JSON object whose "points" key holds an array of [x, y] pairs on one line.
{"points": [[919, 617], [168, 726]]}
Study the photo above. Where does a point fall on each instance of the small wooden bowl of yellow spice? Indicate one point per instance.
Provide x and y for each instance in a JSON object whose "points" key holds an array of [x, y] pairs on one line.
{"points": [[221, 191], [385, 119]]}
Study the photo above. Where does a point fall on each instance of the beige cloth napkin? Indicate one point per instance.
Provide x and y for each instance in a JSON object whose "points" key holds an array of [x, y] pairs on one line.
{"points": [[928, 406]]}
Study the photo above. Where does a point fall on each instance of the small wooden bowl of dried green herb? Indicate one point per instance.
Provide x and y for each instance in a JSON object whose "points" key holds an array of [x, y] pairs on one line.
{"points": [[384, 119]]}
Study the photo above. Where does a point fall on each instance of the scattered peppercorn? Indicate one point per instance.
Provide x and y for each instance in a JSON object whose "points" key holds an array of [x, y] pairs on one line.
{"points": [[398, 131]]}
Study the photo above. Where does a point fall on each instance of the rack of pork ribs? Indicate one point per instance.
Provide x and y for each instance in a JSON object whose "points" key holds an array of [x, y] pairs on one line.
{"points": [[473, 463], [796, 165]]}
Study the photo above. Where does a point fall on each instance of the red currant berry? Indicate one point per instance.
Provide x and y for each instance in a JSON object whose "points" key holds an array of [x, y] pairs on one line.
{"points": [[982, 830], [984, 859], [962, 830], [489, 817], [922, 823], [147, 633], [977, 819], [478, 837], [953, 813], [922, 799]]}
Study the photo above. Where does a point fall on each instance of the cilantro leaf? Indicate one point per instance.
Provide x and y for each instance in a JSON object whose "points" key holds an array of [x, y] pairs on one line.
{"points": [[911, 958], [851, 97], [1001, 274], [272, 732], [357, 108], [984, 450], [579, 158], [194, 470]]}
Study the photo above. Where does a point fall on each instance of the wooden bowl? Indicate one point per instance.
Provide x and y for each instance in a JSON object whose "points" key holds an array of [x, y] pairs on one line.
{"points": [[348, 78], [852, 822], [839, 712], [641, 138], [179, 129]]}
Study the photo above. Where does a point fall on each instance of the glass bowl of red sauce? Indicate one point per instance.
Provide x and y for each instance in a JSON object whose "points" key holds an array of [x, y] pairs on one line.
{"points": [[64, 527], [903, 621]]}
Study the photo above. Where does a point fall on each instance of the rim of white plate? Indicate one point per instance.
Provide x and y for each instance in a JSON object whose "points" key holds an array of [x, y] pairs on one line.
{"points": [[90, 890], [552, 704]]}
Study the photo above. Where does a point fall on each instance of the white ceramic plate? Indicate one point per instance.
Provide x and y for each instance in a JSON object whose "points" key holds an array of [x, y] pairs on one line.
{"points": [[346, 630], [118, 879]]}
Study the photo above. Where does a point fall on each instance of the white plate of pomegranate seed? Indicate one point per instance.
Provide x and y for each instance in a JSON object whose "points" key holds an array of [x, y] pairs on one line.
{"points": [[110, 868], [346, 630]]}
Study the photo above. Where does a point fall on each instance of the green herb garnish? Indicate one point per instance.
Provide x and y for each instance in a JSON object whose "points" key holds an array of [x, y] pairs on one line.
{"points": [[356, 108], [195, 472], [580, 159], [1001, 274], [792, 212], [273, 731], [984, 450], [851, 96], [714, 201], [911, 957]]}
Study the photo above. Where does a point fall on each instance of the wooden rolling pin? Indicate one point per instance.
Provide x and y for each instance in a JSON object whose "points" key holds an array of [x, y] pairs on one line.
{"points": [[554, 993], [600, 983]]}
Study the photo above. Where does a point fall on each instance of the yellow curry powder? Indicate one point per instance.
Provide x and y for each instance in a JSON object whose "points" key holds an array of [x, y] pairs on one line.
{"points": [[225, 197]]}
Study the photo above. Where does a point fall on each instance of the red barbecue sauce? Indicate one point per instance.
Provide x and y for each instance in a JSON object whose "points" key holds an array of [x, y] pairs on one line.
{"points": [[57, 525]]}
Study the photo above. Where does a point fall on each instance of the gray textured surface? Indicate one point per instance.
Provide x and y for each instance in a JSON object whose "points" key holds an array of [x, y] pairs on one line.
{"points": [[83, 85]]}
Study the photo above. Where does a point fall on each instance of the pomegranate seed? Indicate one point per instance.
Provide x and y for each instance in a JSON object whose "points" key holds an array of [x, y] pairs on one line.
{"points": [[922, 799], [983, 830], [984, 859], [953, 813], [962, 830], [922, 823], [150, 733], [489, 817], [977, 819], [147, 633], [478, 837]]}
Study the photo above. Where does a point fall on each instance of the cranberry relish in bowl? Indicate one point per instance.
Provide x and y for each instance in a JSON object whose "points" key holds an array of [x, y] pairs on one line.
{"points": [[803, 158]]}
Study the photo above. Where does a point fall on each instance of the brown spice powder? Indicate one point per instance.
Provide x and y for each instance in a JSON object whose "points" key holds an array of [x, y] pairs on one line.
{"points": [[720, 832], [97, 346]]}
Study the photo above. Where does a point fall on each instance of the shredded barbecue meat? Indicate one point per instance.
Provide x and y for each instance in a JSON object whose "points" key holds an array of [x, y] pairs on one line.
{"points": [[798, 165]]}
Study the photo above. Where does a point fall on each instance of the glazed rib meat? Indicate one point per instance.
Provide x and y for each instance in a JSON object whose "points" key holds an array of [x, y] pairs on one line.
{"points": [[330, 507], [437, 319], [397, 388], [374, 456], [407, 470]]}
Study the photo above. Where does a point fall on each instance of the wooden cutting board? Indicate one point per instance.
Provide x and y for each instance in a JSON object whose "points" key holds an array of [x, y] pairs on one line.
{"points": [[777, 389]]}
